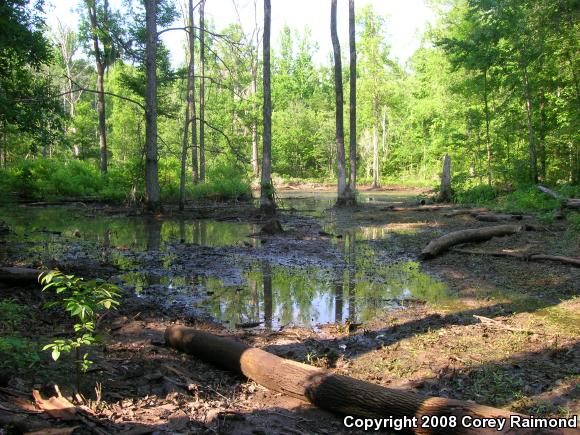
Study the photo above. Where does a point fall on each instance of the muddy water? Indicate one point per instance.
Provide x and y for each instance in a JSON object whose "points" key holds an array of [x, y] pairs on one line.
{"points": [[223, 270]]}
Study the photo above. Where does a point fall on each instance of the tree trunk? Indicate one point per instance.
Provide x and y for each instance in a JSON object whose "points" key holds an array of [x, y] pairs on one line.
{"points": [[151, 154], [184, 155], [542, 137], [445, 193], [267, 203], [442, 244], [343, 196], [532, 142], [202, 91], [333, 392], [352, 100], [191, 93], [255, 158], [487, 137], [100, 62], [376, 181]]}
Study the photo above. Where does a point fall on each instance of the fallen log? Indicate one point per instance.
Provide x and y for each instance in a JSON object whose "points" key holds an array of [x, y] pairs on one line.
{"points": [[19, 274], [527, 257], [442, 244], [492, 217], [567, 202], [470, 211], [333, 392]]}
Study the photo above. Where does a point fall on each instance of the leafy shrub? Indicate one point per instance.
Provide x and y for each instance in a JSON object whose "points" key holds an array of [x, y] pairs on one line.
{"points": [[11, 313], [224, 183], [17, 353], [478, 195], [528, 199]]}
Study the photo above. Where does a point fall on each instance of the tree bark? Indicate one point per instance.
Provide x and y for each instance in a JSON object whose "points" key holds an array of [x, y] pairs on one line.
{"points": [[352, 99], [335, 393], [20, 274], [152, 198], [532, 142], [445, 193], [342, 198], [191, 93], [487, 136], [202, 91], [267, 203], [100, 63], [522, 256], [376, 182], [442, 244]]}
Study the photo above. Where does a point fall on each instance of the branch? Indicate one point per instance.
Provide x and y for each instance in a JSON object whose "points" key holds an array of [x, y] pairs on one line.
{"points": [[236, 152], [94, 91]]}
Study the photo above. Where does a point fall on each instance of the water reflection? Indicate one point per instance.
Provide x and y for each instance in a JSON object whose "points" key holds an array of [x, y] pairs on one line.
{"points": [[292, 296]]}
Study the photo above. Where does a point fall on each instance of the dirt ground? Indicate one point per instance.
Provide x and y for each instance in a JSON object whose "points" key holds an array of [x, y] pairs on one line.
{"points": [[510, 338]]}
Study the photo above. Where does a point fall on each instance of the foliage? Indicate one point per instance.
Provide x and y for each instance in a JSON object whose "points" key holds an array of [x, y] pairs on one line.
{"points": [[224, 183], [17, 353], [82, 300], [11, 313]]}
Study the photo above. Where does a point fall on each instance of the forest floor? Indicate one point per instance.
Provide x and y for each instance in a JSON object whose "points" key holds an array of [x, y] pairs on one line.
{"points": [[525, 359]]}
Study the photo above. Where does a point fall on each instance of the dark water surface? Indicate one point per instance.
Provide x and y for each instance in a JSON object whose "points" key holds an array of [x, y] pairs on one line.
{"points": [[215, 268]]}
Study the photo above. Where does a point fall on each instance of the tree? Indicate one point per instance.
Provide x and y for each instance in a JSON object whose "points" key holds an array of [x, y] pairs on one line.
{"points": [[267, 203], [352, 100], [152, 198], [344, 194], [104, 54], [202, 91]]}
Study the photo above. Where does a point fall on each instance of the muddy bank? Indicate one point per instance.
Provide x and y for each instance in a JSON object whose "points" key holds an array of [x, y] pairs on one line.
{"points": [[339, 288]]}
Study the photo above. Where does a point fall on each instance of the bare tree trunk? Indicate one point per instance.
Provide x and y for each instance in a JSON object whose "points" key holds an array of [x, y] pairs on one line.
{"points": [[352, 100], [376, 182], [191, 94], [445, 194], [487, 137], [100, 62], [184, 154], [267, 203], [342, 198], [255, 161], [532, 142], [151, 155], [202, 92], [542, 137]]}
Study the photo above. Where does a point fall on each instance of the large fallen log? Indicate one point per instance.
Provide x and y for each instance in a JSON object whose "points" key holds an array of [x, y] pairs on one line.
{"points": [[523, 256], [337, 393], [442, 244], [567, 202], [19, 274]]}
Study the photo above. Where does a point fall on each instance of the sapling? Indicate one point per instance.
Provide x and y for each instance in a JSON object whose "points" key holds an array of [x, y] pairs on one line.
{"points": [[83, 300]]}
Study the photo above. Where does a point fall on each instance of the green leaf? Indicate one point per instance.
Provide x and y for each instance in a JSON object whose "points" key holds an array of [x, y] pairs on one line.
{"points": [[55, 354]]}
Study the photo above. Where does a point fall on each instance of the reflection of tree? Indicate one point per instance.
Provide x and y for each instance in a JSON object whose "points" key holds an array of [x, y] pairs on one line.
{"points": [[196, 232], [267, 281], [105, 248], [351, 259], [338, 301], [153, 233], [181, 230]]}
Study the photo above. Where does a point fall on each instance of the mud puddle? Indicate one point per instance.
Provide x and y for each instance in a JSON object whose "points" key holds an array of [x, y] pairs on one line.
{"points": [[313, 275]]}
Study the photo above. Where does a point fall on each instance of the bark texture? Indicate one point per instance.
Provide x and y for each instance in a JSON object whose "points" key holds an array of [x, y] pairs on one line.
{"points": [[267, 203], [442, 244], [151, 153], [445, 193], [336, 393], [342, 198]]}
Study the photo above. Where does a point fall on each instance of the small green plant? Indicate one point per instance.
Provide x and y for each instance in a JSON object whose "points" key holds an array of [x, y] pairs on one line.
{"points": [[17, 353], [82, 300], [11, 313]]}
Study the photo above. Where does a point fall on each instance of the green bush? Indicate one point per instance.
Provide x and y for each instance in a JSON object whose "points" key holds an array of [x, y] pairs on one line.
{"points": [[478, 195], [46, 179], [528, 199], [17, 353], [224, 183]]}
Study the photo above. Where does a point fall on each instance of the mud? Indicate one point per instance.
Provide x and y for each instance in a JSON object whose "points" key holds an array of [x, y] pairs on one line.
{"points": [[339, 288]]}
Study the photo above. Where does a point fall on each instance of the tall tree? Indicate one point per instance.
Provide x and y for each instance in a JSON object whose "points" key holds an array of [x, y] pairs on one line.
{"points": [[191, 91], [202, 91], [267, 203], [98, 31], [152, 197], [352, 100], [344, 196]]}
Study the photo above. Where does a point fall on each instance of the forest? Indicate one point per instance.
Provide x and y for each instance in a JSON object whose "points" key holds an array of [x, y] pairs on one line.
{"points": [[282, 234]]}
